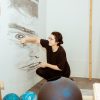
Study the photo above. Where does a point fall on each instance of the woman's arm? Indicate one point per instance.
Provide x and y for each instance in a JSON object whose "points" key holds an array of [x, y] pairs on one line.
{"points": [[55, 67], [32, 39], [35, 40]]}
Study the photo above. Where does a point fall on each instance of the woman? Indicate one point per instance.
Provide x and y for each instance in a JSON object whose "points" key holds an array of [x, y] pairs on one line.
{"points": [[57, 65]]}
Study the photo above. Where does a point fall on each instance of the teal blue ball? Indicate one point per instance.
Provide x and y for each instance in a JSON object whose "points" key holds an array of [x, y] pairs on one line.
{"points": [[29, 95], [11, 96]]}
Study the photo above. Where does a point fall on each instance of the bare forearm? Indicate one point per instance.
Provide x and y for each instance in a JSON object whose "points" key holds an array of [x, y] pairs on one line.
{"points": [[55, 67], [32, 39]]}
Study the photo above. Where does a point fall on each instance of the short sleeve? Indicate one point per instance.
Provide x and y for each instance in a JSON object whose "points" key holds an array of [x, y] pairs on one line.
{"points": [[62, 60], [44, 43]]}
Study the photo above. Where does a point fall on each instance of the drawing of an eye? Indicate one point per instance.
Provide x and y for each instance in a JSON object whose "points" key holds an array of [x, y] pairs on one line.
{"points": [[19, 36]]}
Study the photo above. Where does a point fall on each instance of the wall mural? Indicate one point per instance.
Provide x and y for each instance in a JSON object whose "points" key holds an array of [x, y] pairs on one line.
{"points": [[23, 20], [19, 33], [26, 6]]}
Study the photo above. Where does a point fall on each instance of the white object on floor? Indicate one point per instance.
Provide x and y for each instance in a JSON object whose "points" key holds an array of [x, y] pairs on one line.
{"points": [[87, 94], [87, 97], [96, 89]]}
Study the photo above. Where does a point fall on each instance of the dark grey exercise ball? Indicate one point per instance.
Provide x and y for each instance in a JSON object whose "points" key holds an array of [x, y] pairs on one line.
{"points": [[61, 89]]}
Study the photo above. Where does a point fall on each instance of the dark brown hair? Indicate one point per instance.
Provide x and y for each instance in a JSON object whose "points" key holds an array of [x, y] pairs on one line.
{"points": [[58, 37]]}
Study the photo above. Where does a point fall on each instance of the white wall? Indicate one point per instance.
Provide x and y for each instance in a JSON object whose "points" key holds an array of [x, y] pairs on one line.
{"points": [[96, 38], [13, 55], [71, 18]]}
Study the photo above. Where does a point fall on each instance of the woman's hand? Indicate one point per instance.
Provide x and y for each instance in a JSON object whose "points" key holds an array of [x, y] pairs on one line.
{"points": [[43, 64], [24, 40]]}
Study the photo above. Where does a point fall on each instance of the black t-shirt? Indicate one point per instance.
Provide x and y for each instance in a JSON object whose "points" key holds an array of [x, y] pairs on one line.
{"points": [[56, 58]]}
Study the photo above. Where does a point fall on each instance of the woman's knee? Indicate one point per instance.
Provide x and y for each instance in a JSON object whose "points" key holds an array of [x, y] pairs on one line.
{"points": [[39, 71]]}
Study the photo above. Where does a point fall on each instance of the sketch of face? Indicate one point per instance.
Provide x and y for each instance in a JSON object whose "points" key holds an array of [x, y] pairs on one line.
{"points": [[20, 26]]}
